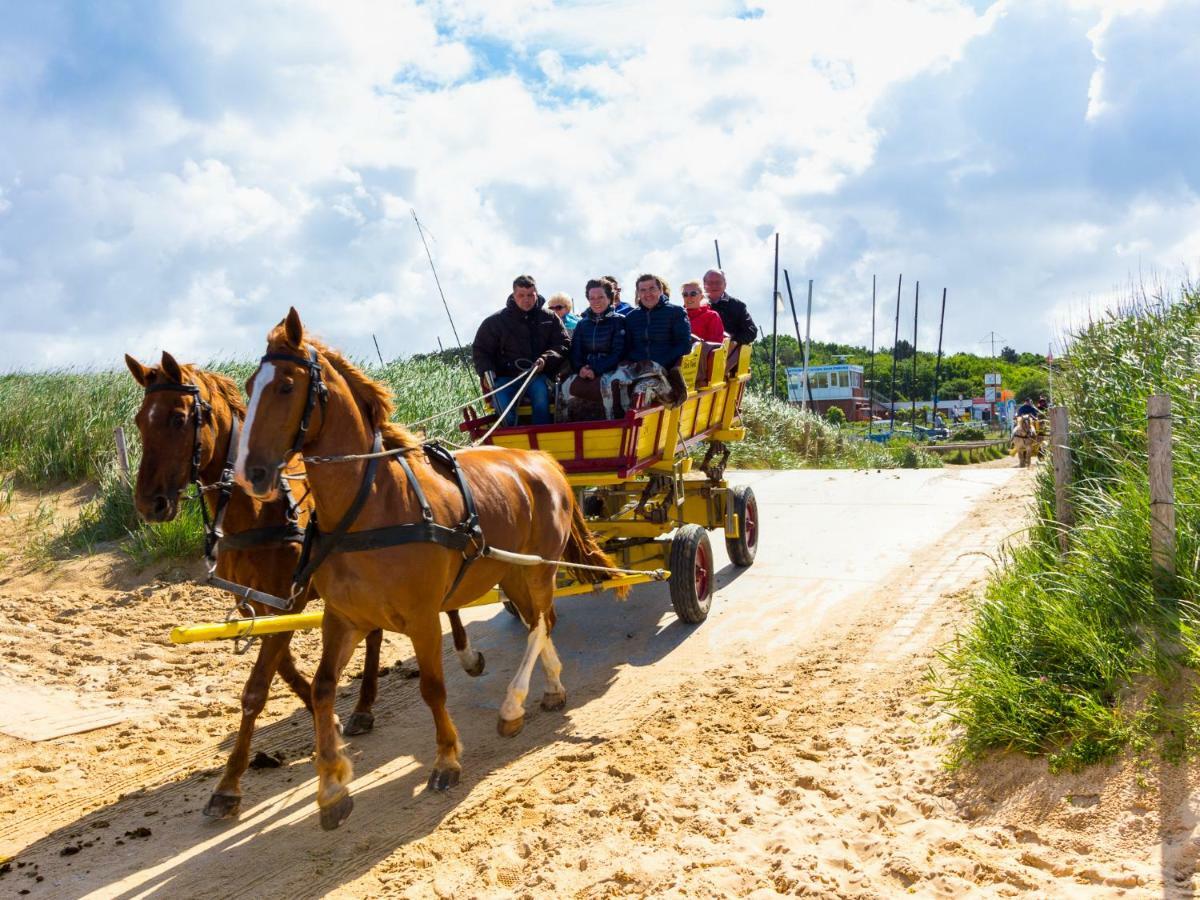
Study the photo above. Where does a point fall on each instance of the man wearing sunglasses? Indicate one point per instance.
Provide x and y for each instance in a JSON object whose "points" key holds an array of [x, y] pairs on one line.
{"points": [[522, 336], [734, 315]]}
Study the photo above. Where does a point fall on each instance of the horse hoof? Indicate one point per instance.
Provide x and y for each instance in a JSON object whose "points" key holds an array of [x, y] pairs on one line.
{"points": [[477, 669], [360, 723], [223, 806], [335, 814], [510, 727], [554, 700], [443, 779]]}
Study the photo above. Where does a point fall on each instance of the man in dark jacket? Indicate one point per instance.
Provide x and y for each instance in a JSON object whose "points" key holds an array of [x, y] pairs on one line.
{"points": [[659, 331], [734, 315], [522, 336]]}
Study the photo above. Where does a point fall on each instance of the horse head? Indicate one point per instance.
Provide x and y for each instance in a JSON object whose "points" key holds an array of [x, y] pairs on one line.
{"points": [[184, 417]]}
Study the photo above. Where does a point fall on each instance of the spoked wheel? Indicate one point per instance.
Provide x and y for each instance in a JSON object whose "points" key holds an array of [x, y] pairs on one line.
{"points": [[743, 547], [692, 576]]}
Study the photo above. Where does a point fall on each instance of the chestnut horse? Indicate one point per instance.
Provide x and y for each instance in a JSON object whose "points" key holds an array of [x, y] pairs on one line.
{"points": [[183, 440], [308, 398]]}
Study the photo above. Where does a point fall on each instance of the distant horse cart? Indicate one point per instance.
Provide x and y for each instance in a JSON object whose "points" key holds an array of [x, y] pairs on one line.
{"points": [[608, 504]]}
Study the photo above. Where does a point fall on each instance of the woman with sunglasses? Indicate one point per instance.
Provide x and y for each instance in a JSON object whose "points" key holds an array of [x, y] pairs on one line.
{"points": [[561, 305], [703, 319]]}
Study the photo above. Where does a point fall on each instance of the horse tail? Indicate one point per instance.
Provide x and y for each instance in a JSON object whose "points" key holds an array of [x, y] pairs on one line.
{"points": [[582, 548]]}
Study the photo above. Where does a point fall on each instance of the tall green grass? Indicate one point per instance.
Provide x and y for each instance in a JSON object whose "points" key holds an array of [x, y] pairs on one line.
{"points": [[1059, 651]]}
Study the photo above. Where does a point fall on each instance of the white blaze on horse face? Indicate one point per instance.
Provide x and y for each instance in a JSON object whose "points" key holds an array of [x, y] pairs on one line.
{"points": [[264, 376]]}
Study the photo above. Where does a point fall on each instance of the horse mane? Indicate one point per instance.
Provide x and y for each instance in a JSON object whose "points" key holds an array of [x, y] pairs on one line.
{"points": [[376, 398], [220, 386]]}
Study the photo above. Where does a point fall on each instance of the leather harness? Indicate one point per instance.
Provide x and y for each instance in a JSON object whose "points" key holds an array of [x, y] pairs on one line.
{"points": [[466, 537]]}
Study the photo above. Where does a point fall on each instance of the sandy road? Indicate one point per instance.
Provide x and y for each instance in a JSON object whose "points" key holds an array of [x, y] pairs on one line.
{"points": [[783, 746]]}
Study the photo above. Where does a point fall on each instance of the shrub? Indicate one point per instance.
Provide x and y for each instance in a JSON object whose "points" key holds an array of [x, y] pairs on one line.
{"points": [[835, 416]]}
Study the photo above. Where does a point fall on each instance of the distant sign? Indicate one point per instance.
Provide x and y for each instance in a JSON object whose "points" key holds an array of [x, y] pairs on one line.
{"points": [[992, 379], [989, 394]]}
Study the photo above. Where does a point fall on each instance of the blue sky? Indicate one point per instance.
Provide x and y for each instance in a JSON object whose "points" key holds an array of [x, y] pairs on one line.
{"points": [[174, 176]]}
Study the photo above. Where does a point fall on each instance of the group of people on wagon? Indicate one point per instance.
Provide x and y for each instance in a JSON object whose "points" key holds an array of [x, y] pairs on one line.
{"points": [[591, 359]]}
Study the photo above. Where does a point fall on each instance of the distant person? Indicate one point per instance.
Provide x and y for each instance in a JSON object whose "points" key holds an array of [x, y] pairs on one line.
{"points": [[1042, 403], [619, 307], [522, 336], [1028, 409], [706, 324], [564, 307], [658, 331]]}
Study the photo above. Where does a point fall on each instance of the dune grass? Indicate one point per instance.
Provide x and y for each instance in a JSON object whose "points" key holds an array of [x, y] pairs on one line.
{"points": [[1071, 656]]}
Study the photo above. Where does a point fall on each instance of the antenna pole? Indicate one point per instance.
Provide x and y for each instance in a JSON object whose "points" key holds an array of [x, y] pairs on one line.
{"points": [[937, 372], [871, 389], [436, 280], [775, 322], [717, 247], [895, 341], [916, 306]]}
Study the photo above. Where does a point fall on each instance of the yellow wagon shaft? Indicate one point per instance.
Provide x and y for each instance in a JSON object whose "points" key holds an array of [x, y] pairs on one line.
{"points": [[244, 628]]}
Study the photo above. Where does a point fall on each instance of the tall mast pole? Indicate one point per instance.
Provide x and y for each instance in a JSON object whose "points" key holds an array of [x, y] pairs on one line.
{"points": [[895, 340], [916, 307], [775, 322], [806, 394], [937, 372], [717, 247], [437, 281], [808, 336], [871, 389]]}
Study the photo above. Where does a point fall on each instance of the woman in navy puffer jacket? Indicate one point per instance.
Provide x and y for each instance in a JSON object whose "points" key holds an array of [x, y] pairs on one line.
{"points": [[598, 344]]}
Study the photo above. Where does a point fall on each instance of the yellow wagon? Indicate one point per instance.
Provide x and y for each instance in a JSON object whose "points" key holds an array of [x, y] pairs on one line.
{"points": [[637, 481]]}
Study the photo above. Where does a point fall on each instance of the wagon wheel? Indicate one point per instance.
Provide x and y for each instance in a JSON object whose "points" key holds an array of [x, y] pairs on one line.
{"points": [[743, 547], [691, 582]]}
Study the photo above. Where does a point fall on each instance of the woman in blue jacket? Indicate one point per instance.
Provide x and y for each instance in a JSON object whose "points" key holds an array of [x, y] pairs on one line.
{"points": [[598, 343], [659, 331]]}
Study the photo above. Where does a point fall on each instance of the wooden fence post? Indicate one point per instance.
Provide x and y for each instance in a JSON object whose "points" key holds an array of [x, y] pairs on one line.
{"points": [[1162, 493], [1060, 447], [122, 453]]}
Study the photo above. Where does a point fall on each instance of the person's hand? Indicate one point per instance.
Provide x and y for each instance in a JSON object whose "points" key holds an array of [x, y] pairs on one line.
{"points": [[539, 364], [587, 373]]}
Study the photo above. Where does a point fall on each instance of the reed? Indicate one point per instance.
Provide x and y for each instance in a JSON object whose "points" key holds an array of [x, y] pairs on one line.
{"points": [[1059, 651]]}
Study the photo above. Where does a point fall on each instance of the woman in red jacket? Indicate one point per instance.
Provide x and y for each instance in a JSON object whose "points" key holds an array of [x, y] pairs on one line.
{"points": [[706, 324]]}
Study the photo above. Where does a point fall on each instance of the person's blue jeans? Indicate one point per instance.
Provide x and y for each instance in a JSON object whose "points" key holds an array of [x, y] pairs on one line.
{"points": [[537, 392]]}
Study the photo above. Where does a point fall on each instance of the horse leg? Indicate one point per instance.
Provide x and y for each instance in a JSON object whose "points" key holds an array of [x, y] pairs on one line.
{"points": [[555, 696], [338, 639], [471, 659], [426, 637], [512, 710], [362, 719], [226, 800], [298, 683]]}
